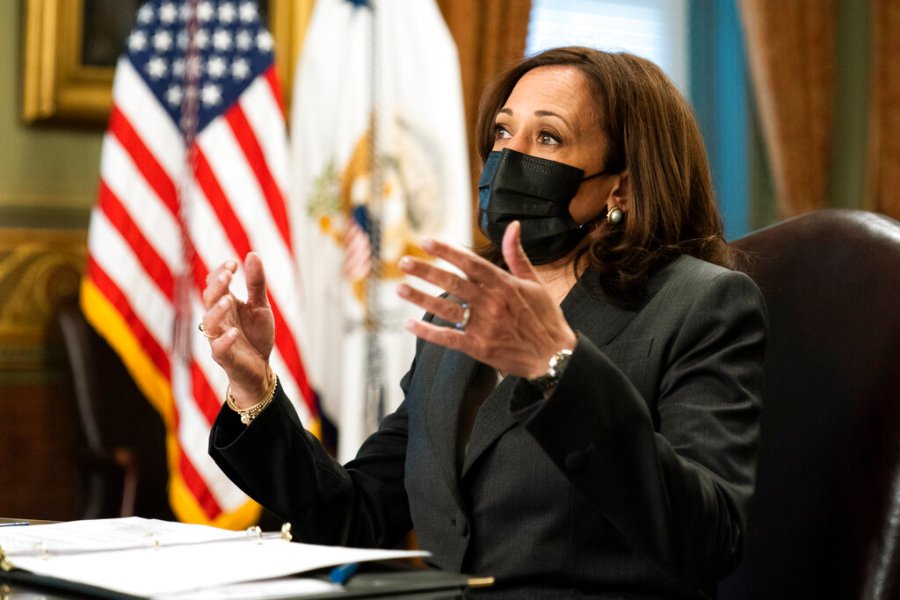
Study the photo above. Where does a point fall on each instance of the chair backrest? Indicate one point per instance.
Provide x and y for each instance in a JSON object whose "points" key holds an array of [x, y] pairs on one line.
{"points": [[124, 457], [825, 519]]}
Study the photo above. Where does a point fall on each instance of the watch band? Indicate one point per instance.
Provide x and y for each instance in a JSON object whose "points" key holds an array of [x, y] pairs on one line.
{"points": [[556, 365]]}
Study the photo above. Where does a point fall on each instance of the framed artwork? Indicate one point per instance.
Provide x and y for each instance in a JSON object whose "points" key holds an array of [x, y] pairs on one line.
{"points": [[71, 48]]}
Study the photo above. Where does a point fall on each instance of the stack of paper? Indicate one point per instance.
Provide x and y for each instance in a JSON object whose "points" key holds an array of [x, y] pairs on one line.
{"points": [[150, 558]]}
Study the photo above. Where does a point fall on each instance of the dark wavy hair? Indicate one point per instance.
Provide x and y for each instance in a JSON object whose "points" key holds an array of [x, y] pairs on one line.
{"points": [[653, 134]]}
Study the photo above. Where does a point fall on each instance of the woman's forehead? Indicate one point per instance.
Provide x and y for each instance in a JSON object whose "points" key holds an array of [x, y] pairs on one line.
{"points": [[560, 89], [558, 80]]}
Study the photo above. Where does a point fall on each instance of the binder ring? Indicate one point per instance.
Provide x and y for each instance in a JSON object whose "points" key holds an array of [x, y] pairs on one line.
{"points": [[257, 531], [42, 549], [286, 532]]}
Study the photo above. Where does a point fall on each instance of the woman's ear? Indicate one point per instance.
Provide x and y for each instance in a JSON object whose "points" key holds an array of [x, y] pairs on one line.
{"points": [[621, 192]]}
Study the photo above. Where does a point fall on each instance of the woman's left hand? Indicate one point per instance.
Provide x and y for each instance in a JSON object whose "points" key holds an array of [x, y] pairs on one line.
{"points": [[514, 325]]}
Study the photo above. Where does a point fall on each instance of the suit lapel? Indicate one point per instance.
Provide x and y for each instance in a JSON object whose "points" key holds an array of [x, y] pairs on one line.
{"points": [[588, 311], [492, 420], [454, 375]]}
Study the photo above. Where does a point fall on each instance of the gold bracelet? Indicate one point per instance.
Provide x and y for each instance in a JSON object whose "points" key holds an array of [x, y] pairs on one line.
{"points": [[248, 414]]}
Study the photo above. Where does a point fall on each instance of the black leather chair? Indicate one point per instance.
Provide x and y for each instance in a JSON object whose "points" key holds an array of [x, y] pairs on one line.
{"points": [[124, 458], [825, 520]]}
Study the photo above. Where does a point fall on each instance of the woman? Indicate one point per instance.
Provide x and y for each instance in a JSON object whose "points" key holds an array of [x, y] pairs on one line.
{"points": [[581, 415]]}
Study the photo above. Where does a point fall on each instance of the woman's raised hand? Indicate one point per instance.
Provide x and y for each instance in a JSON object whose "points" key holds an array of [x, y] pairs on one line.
{"points": [[241, 334], [507, 320]]}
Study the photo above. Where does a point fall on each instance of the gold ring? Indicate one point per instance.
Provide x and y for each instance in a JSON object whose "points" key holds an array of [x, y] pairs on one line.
{"points": [[205, 334]]}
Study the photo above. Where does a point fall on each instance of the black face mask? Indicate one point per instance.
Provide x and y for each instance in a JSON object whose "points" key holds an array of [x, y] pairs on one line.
{"points": [[536, 192]]}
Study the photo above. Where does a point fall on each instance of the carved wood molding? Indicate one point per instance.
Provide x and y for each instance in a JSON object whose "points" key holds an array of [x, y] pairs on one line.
{"points": [[39, 268]]}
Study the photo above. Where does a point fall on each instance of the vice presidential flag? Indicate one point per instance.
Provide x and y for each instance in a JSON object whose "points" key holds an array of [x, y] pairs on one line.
{"points": [[193, 172], [378, 135]]}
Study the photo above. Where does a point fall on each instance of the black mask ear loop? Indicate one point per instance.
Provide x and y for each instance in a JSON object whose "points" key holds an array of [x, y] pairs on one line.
{"points": [[599, 173], [583, 179]]}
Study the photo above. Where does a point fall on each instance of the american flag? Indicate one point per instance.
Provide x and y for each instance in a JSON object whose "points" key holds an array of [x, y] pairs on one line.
{"points": [[193, 172]]}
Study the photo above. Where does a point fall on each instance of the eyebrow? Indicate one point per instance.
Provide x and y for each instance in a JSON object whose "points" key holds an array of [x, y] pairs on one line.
{"points": [[539, 113]]}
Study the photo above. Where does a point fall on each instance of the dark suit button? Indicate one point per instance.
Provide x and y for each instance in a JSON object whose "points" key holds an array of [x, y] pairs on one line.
{"points": [[462, 527], [576, 461]]}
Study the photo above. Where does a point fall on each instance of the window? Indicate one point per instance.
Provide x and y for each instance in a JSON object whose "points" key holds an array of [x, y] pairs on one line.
{"points": [[654, 29]]}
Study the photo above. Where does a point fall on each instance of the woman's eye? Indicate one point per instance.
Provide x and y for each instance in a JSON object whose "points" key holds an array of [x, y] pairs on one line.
{"points": [[501, 133], [548, 139]]}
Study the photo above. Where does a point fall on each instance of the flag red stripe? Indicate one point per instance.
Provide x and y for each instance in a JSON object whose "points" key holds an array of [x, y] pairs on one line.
{"points": [[203, 393], [194, 482], [271, 76], [253, 152], [146, 253], [218, 200], [287, 346], [204, 396], [144, 160], [115, 296], [198, 267]]}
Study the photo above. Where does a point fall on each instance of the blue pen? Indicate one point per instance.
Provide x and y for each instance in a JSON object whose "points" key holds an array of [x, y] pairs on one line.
{"points": [[342, 574], [15, 524]]}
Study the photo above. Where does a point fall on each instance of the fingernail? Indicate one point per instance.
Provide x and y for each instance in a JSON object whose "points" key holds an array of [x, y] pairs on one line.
{"points": [[224, 276], [428, 244], [403, 290], [231, 265], [224, 301], [405, 262], [232, 333]]}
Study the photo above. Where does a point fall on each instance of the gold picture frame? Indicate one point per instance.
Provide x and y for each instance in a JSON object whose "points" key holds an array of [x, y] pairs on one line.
{"points": [[58, 87]]}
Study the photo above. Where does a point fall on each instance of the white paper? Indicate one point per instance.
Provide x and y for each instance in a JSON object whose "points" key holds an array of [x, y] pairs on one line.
{"points": [[188, 557], [107, 534]]}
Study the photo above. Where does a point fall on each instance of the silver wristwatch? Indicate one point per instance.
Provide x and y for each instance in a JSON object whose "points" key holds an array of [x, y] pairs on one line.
{"points": [[554, 371]]}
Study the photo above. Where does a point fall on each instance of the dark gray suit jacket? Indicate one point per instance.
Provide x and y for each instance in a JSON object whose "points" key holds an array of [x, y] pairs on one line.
{"points": [[633, 478]]}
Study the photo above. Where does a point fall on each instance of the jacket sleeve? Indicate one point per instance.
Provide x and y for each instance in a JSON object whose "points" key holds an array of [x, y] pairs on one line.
{"points": [[675, 483], [282, 466]]}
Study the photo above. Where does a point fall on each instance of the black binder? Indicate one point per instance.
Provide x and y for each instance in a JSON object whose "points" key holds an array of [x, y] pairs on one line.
{"points": [[375, 580]]}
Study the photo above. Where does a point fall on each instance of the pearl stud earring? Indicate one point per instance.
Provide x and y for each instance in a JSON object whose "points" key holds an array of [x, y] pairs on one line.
{"points": [[614, 215]]}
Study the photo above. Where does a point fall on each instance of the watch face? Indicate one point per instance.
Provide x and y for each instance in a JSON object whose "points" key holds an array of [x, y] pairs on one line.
{"points": [[551, 377], [546, 381]]}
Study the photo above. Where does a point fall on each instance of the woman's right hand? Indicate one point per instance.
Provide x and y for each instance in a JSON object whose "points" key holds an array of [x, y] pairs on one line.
{"points": [[241, 334]]}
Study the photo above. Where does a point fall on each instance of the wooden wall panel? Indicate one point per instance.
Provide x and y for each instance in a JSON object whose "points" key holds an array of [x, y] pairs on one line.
{"points": [[40, 459], [40, 447]]}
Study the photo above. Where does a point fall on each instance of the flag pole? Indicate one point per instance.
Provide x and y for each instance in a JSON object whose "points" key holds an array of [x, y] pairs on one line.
{"points": [[188, 124], [374, 389]]}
